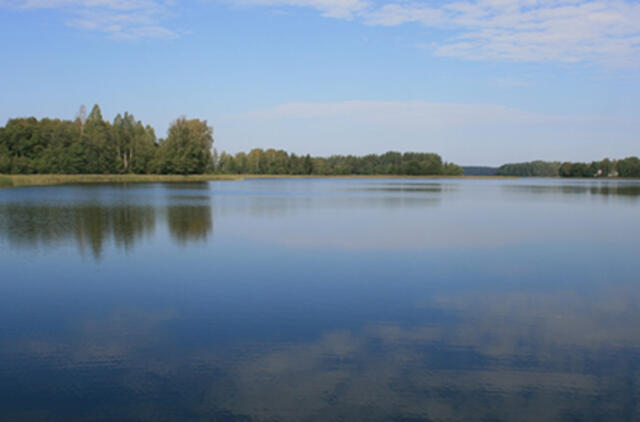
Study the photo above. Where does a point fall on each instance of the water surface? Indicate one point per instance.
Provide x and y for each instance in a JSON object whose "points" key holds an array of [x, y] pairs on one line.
{"points": [[321, 300]]}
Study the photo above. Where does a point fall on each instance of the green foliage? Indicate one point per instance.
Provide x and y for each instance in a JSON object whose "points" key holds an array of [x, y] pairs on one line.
{"points": [[451, 169], [628, 167], [272, 161], [530, 169], [187, 149], [575, 170], [92, 145], [95, 146], [135, 145], [5, 182], [99, 150]]}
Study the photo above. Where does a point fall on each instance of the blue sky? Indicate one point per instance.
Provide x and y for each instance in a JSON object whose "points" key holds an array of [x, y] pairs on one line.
{"points": [[478, 81]]}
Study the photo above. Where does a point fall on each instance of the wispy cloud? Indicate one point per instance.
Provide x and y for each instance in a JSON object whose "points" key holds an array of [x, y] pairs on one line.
{"points": [[122, 19], [560, 31], [341, 9], [568, 31]]}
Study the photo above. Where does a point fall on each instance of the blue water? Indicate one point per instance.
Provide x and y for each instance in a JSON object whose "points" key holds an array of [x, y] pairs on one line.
{"points": [[321, 300]]}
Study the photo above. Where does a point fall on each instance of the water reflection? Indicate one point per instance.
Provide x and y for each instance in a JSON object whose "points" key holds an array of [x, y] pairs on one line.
{"points": [[190, 222], [90, 225], [532, 362], [505, 357], [402, 186], [623, 188], [321, 301], [94, 226]]}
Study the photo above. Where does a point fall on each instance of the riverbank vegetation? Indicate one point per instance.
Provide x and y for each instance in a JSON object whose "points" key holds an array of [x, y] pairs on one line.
{"points": [[21, 180], [529, 169], [273, 161], [91, 145], [627, 167], [17, 180], [96, 148]]}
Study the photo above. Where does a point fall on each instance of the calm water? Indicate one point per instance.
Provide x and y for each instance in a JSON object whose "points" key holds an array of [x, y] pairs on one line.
{"points": [[321, 300]]}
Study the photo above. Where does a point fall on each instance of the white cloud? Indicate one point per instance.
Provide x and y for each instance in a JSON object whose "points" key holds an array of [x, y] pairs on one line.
{"points": [[123, 19], [341, 9], [592, 31], [562, 31]]}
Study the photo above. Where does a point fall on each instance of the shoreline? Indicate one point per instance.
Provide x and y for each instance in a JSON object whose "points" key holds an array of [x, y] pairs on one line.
{"points": [[24, 180]]}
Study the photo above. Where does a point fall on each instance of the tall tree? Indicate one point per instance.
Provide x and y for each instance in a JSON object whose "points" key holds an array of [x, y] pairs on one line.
{"points": [[134, 144], [99, 149], [187, 149]]}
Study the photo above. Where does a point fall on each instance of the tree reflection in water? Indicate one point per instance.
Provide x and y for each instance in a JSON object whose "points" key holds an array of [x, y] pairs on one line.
{"points": [[321, 300], [189, 222], [92, 226]]}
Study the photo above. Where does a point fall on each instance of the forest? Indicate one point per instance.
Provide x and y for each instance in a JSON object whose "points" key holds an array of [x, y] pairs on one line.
{"points": [[272, 161], [627, 167], [91, 145], [530, 169]]}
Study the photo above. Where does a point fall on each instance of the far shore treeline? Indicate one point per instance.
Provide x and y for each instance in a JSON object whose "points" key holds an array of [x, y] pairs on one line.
{"points": [[91, 145], [627, 167]]}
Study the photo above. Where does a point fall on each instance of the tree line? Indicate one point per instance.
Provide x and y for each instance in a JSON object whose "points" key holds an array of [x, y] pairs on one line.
{"points": [[530, 169], [272, 161], [627, 167], [91, 145]]}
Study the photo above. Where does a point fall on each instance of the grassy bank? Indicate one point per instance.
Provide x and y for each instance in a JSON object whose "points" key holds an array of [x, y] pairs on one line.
{"points": [[18, 180], [6, 181], [59, 179]]}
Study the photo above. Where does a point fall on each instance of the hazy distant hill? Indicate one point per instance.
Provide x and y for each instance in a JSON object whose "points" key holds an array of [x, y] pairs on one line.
{"points": [[479, 171]]}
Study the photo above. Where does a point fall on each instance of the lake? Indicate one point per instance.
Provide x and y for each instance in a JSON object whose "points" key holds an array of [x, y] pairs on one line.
{"points": [[321, 300]]}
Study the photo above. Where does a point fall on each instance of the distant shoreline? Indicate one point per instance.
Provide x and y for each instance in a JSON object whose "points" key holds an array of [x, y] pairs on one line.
{"points": [[26, 180], [22, 180]]}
